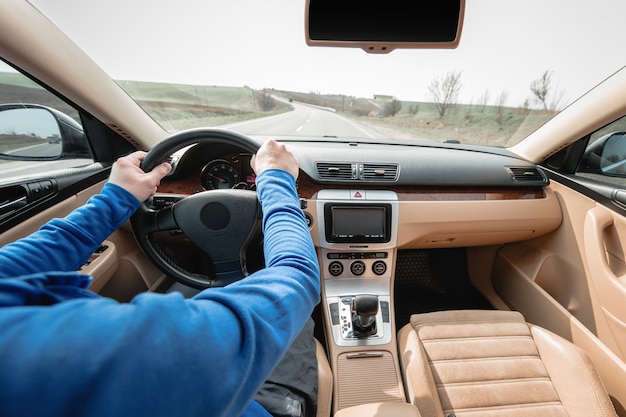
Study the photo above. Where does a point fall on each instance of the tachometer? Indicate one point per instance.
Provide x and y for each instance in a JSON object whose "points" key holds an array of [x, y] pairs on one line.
{"points": [[218, 174]]}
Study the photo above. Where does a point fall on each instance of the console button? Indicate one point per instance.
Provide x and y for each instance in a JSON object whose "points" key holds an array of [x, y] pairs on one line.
{"points": [[335, 268], [379, 267], [357, 268], [334, 313], [309, 219], [384, 308]]}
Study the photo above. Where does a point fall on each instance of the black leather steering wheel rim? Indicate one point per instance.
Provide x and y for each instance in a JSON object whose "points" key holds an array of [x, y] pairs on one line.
{"points": [[219, 222]]}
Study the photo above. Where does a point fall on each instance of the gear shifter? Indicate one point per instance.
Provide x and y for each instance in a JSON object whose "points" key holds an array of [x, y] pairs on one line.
{"points": [[364, 310]]}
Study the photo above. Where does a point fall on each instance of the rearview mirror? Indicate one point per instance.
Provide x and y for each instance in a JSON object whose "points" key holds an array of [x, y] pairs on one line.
{"points": [[31, 132], [380, 27]]}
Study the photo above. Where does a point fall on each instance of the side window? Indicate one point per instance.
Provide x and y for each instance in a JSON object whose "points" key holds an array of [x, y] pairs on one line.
{"points": [[38, 131], [605, 156]]}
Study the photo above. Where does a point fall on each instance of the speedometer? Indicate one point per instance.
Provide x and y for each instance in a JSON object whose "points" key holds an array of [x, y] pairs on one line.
{"points": [[218, 174]]}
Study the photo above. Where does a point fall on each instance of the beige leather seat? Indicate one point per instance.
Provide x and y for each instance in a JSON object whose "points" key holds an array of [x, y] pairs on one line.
{"points": [[324, 382], [492, 363]]}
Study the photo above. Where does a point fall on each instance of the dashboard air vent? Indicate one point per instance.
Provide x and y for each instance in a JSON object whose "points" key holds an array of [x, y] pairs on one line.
{"points": [[380, 172], [527, 174], [336, 171]]}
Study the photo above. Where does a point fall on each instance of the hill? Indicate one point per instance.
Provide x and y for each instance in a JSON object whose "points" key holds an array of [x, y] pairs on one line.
{"points": [[487, 125], [188, 106]]}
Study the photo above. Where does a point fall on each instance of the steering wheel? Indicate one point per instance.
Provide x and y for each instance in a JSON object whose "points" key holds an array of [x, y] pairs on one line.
{"points": [[221, 223]]}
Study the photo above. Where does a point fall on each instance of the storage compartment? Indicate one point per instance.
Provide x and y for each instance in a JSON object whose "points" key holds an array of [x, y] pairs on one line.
{"points": [[365, 377]]}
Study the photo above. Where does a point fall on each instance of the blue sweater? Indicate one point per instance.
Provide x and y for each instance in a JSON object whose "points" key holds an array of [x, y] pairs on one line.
{"points": [[65, 351]]}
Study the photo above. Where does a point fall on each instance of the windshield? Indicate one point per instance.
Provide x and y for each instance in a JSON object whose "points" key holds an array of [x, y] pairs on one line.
{"points": [[191, 64]]}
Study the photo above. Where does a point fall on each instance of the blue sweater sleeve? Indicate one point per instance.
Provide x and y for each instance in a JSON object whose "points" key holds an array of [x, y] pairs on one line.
{"points": [[65, 244], [164, 354]]}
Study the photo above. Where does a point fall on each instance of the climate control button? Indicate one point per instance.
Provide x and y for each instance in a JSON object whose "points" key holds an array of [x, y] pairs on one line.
{"points": [[379, 267], [335, 268], [357, 268]]}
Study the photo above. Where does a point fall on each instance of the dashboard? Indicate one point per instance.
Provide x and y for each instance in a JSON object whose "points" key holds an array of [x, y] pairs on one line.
{"points": [[445, 195], [366, 202]]}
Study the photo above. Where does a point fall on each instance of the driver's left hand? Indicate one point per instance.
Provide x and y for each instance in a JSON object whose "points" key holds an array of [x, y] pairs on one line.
{"points": [[126, 173]]}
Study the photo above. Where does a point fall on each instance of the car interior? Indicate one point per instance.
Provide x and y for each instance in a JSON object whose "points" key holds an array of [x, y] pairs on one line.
{"points": [[456, 280]]}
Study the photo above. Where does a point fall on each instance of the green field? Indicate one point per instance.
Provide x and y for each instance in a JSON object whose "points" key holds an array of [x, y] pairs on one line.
{"points": [[190, 106], [182, 106], [420, 120]]}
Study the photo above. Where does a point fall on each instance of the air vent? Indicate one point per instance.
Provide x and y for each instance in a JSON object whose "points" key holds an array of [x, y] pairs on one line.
{"points": [[527, 174], [380, 172], [125, 135], [336, 171]]}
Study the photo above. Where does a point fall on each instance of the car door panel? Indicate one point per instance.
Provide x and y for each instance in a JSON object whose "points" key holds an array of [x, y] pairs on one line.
{"points": [[101, 266], [605, 256], [553, 280]]}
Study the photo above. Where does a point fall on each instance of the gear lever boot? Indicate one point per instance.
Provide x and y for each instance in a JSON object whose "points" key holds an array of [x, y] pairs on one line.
{"points": [[364, 310]]}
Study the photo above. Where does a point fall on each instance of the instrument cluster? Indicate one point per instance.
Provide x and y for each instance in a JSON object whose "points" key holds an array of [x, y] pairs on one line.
{"points": [[228, 171]]}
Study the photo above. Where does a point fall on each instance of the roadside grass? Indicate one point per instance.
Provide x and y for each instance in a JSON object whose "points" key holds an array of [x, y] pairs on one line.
{"points": [[420, 121], [478, 128], [241, 98], [189, 106], [16, 79]]}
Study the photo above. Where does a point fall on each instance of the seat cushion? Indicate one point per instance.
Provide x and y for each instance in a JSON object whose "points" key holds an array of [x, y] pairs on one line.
{"points": [[324, 382], [486, 363]]}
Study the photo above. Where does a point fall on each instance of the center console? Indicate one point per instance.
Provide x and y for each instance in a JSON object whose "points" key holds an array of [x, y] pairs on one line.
{"points": [[357, 239]]}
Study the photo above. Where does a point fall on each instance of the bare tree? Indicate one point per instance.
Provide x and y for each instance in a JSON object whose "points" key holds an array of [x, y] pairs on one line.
{"points": [[500, 103], [444, 91], [483, 100], [545, 93], [469, 112], [265, 101]]}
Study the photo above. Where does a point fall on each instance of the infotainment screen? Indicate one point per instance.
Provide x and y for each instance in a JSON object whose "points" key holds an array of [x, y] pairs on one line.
{"points": [[357, 223]]}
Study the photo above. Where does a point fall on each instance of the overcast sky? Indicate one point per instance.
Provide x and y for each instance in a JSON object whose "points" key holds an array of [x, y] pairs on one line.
{"points": [[199, 42]]}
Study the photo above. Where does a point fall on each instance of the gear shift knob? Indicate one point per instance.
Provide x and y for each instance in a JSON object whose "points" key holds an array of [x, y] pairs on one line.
{"points": [[364, 310]]}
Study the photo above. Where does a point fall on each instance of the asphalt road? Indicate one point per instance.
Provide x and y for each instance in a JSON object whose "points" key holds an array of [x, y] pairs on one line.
{"points": [[306, 120]]}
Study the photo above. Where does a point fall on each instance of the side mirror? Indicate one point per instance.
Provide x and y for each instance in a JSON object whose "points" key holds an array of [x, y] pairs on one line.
{"points": [[30, 132], [606, 156]]}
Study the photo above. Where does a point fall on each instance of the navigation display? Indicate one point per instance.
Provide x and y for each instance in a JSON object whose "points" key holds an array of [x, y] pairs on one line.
{"points": [[357, 223]]}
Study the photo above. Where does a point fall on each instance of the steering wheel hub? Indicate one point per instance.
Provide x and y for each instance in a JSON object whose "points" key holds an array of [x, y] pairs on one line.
{"points": [[215, 216]]}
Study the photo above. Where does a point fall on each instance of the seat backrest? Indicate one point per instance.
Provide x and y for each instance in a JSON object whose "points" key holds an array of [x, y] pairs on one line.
{"points": [[493, 363], [324, 382]]}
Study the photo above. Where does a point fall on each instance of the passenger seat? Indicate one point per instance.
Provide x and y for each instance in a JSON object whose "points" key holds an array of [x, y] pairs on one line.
{"points": [[470, 363]]}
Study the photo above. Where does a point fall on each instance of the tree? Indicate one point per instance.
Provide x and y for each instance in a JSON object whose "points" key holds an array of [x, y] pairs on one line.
{"points": [[541, 88], [483, 100], [544, 92], [500, 103], [393, 107], [444, 91], [265, 101]]}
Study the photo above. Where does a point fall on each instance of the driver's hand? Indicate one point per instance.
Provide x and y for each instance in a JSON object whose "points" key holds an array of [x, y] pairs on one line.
{"points": [[274, 155], [126, 173]]}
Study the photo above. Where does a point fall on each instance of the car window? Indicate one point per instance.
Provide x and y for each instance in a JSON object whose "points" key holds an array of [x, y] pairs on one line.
{"points": [[39, 132], [604, 158], [494, 89]]}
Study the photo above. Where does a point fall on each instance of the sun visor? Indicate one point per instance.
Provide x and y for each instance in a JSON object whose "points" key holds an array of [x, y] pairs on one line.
{"points": [[382, 26]]}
